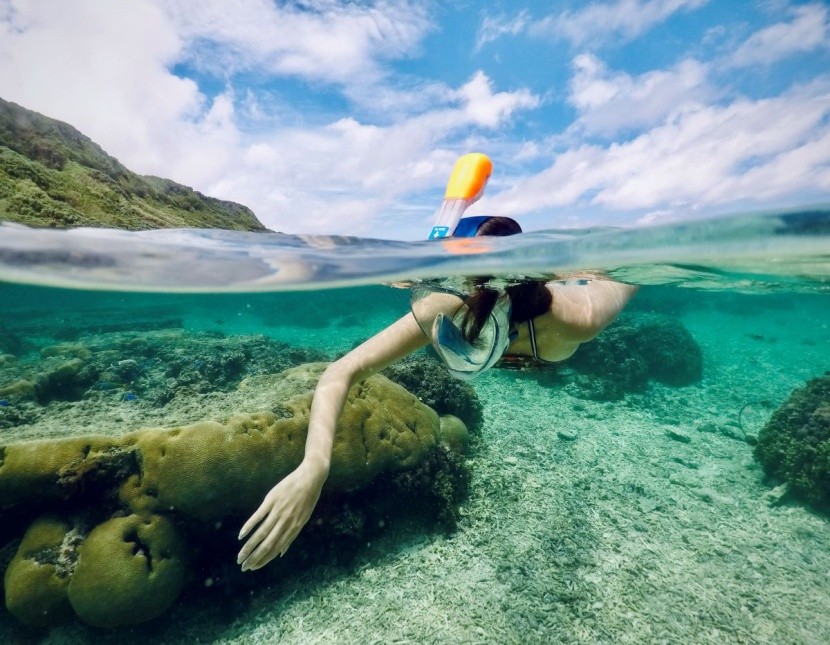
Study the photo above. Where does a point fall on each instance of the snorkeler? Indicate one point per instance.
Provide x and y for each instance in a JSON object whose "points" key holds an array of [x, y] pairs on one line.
{"points": [[530, 322]]}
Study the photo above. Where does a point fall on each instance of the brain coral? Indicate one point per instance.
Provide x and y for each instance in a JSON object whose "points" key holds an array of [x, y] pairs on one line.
{"points": [[124, 561], [129, 570], [37, 578]]}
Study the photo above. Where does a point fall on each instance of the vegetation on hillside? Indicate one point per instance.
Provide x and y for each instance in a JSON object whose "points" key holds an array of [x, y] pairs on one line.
{"points": [[51, 175]]}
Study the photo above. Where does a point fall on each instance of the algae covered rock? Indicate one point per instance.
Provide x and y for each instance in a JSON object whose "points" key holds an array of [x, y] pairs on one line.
{"points": [[429, 380], [794, 446], [129, 570], [210, 470], [633, 350], [22, 389], [65, 380], [39, 471], [171, 363], [453, 434]]}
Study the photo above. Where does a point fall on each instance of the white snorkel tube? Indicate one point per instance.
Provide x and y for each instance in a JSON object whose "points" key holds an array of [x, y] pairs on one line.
{"points": [[466, 185]]}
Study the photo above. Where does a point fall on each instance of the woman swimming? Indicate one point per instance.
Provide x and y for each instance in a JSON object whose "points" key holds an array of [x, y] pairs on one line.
{"points": [[532, 321]]}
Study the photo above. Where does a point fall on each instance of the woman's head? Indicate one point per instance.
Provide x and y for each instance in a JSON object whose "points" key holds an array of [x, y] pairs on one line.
{"points": [[528, 299]]}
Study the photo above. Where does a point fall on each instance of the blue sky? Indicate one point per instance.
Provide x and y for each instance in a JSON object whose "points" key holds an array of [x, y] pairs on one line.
{"points": [[346, 117]]}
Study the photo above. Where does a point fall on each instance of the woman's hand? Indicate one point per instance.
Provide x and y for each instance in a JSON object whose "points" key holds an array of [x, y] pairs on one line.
{"points": [[283, 512]]}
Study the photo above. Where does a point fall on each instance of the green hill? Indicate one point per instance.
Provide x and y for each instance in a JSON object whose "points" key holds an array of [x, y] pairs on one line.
{"points": [[51, 175]]}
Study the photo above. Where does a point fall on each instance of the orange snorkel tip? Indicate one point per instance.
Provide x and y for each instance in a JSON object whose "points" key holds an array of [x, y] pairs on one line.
{"points": [[466, 184]]}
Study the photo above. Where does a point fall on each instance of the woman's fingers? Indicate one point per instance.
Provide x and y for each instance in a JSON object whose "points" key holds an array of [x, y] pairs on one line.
{"points": [[255, 519], [267, 549], [279, 519], [283, 548], [259, 535]]}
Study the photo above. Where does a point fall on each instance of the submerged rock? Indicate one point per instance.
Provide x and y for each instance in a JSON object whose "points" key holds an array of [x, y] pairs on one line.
{"points": [[139, 494], [794, 446], [679, 435], [154, 367], [434, 386], [633, 350], [37, 578]]}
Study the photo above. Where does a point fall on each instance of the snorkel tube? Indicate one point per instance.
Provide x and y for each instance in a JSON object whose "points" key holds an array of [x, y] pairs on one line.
{"points": [[466, 185]]}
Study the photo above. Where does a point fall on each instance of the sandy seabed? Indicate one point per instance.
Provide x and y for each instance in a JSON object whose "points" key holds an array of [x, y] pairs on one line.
{"points": [[641, 521]]}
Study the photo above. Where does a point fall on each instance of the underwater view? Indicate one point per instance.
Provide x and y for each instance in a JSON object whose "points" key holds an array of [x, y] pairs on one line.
{"points": [[669, 482]]}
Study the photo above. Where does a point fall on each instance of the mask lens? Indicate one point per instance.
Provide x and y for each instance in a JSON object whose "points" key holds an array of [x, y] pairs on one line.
{"points": [[428, 303], [440, 316]]}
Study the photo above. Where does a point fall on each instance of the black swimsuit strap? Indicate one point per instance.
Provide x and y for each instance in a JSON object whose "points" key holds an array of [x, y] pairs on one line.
{"points": [[532, 332]]}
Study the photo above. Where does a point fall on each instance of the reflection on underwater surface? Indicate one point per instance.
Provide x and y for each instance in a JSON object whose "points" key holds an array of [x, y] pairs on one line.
{"points": [[604, 500], [746, 251]]}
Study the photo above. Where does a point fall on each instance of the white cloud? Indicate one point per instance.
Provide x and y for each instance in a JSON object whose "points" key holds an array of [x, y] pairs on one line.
{"points": [[807, 31], [623, 19], [594, 23], [102, 67], [494, 27], [744, 152], [343, 177], [488, 109], [612, 102], [319, 40]]}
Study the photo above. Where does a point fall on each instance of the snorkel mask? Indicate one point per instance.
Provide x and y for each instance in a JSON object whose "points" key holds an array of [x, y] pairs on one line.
{"points": [[464, 359], [468, 226]]}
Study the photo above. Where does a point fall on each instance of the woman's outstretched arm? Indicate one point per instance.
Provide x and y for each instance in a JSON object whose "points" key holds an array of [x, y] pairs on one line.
{"points": [[581, 311], [288, 506]]}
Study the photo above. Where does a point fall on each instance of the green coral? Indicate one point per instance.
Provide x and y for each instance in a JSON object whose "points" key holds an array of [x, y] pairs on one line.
{"points": [[51, 471], [636, 348], [453, 434], [162, 365], [129, 570], [187, 469], [794, 446], [21, 389], [37, 578], [141, 487], [434, 386]]}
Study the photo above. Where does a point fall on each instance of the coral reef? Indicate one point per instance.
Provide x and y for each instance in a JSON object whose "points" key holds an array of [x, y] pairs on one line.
{"points": [[636, 348], [109, 541], [165, 364], [162, 365], [10, 342], [429, 380], [794, 446]]}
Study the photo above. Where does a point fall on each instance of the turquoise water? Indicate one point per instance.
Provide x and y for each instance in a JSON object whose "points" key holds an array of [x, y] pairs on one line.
{"points": [[618, 507]]}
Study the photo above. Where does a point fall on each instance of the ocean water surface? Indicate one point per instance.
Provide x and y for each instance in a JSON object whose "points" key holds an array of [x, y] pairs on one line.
{"points": [[616, 497]]}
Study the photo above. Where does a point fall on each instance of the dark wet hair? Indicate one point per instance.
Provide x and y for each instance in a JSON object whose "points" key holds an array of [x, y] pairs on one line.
{"points": [[499, 226], [528, 299]]}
